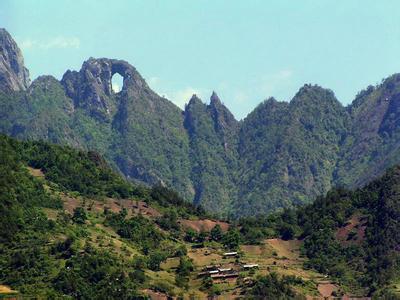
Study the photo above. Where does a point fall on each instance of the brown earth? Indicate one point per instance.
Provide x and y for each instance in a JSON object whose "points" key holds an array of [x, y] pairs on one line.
{"points": [[203, 225], [155, 295], [356, 224], [114, 205], [326, 289]]}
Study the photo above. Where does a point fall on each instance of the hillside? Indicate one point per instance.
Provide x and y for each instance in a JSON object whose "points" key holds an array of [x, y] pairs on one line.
{"points": [[352, 236], [281, 155], [71, 227]]}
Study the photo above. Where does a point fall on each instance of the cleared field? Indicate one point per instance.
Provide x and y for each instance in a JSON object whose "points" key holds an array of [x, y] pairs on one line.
{"points": [[353, 232], [36, 172], [205, 256], [203, 225], [289, 249]]}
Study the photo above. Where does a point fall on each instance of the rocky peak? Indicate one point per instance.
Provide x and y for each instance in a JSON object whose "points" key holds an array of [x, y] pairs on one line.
{"points": [[193, 101], [221, 115], [214, 99], [13, 74], [91, 87]]}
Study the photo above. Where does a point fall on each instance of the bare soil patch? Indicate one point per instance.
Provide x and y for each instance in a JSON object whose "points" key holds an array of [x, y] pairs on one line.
{"points": [[326, 289], [203, 225], [155, 295], [353, 232]]}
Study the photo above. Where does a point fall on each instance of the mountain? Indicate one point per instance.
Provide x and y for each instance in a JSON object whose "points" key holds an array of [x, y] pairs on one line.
{"points": [[282, 154], [212, 132], [289, 151], [372, 144], [13, 74]]}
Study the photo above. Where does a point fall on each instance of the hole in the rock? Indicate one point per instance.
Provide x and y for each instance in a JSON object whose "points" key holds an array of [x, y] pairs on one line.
{"points": [[117, 82]]}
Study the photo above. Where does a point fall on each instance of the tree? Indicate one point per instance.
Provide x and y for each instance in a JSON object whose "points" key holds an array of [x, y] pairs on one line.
{"points": [[272, 287], [231, 239], [191, 235], [155, 259], [287, 231], [216, 233], [79, 216]]}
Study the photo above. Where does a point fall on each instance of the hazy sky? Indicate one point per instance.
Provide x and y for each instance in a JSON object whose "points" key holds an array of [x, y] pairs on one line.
{"points": [[246, 51]]}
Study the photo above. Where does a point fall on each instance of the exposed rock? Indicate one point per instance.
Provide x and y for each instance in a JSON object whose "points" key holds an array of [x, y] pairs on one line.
{"points": [[13, 74], [224, 122], [91, 87]]}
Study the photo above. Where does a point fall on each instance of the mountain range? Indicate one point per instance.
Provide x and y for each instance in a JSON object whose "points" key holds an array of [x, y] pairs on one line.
{"points": [[282, 154]]}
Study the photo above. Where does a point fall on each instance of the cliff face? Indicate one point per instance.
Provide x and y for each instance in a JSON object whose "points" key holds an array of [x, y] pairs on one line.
{"points": [[13, 74], [91, 87]]}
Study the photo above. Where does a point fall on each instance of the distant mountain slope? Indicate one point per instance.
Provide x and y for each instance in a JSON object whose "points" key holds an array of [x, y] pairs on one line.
{"points": [[352, 235], [281, 154], [289, 151]]}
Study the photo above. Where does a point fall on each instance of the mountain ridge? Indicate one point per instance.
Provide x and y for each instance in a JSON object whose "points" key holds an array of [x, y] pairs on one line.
{"points": [[281, 154]]}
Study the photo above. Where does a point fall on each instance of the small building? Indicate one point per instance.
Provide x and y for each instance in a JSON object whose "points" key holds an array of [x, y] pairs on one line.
{"points": [[250, 266], [225, 270], [207, 273], [230, 254], [212, 267]]}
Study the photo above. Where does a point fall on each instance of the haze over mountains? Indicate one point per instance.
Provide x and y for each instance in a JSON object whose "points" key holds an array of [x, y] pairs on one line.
{"points": [[281, 154]]}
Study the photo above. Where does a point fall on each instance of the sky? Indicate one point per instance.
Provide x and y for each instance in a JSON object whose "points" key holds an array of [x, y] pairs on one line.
{"points": [[246, 51]]}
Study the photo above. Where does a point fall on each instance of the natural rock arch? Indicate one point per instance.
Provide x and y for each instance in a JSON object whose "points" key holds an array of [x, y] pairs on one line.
{"points": [[91, 87]]}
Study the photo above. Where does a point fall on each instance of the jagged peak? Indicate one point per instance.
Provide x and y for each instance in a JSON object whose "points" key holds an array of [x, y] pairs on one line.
{"points": [[214, 99], [194, 100]]}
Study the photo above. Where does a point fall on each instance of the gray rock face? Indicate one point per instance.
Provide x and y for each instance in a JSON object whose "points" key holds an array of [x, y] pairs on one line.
{"points": [[91, 87], [13, 74]]}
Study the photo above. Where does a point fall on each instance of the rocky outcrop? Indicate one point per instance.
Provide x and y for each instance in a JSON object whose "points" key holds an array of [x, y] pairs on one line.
{"points": [[91, 87], [225, 124], [13, 74]]}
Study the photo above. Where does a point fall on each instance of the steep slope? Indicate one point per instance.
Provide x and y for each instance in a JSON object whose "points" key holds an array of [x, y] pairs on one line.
{"points": [[353, 235], [289, 150], [373, 141], [139, 132], [13, 74], [212, 133], [280, 155]]}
